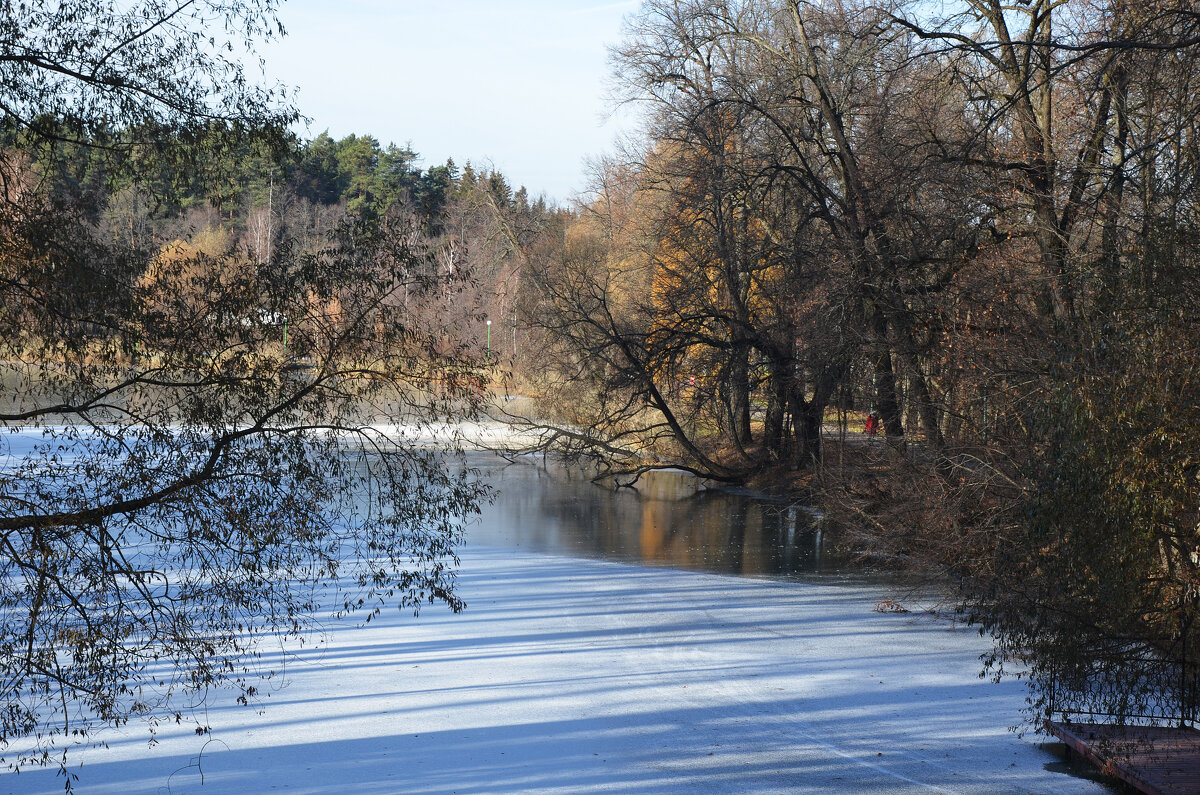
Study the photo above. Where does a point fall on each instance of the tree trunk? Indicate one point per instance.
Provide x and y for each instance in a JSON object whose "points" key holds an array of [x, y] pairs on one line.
{"points": [[777, 406], [739, 395], [805, 447]]}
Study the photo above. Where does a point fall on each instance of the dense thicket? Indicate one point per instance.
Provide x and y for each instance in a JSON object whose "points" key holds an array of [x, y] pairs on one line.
{"points": [[976, 220]]}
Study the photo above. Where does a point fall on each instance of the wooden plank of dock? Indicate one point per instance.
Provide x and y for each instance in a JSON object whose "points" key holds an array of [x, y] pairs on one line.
{"points": [[1159, 760]]}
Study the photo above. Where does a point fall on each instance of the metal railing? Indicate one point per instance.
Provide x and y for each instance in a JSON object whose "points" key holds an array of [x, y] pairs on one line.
{"points": [[1135, 690]]}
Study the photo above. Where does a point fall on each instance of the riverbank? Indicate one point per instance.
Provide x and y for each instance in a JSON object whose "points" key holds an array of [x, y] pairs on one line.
{"points": [[569, 675]]}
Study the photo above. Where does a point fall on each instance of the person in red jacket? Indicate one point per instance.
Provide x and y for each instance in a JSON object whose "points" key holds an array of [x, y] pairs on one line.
{"points": [[871, 426]]}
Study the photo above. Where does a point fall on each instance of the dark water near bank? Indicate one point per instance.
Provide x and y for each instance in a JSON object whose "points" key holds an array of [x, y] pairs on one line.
{"points": [[663, 524]]}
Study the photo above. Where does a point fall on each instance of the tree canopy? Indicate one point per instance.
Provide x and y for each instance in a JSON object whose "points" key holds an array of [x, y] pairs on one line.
{"points": [[974, 220], [217, 345]]}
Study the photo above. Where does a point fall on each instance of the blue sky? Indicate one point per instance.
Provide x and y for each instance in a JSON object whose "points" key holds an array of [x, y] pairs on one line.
{"points": [[519, 85]]}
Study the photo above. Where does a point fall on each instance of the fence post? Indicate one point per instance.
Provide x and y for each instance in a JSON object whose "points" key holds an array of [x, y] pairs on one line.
{"points": [[1050, 703]]}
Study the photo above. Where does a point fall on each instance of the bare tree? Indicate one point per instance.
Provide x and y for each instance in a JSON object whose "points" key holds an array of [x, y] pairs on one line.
{"points": [[188, 453]]}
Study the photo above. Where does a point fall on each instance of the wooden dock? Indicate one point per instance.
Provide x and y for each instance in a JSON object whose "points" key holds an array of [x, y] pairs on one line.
{"points": [[1154, 759]]}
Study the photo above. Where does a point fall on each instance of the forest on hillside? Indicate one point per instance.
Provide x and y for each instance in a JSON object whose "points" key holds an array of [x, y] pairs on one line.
{"points": [[264, 198]]}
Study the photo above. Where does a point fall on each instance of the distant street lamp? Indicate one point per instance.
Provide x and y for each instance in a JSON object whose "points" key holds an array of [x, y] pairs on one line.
{"points": [[489, 347]]}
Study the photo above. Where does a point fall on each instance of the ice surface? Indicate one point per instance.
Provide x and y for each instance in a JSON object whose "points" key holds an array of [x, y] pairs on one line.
{"points": [[569, 675]]}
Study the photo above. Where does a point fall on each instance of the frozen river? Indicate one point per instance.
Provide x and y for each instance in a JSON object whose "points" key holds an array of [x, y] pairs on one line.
{"points": [[572, 674]]}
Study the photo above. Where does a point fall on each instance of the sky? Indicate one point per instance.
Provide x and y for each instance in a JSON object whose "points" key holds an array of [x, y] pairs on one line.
{"points": [[518, 86]]}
